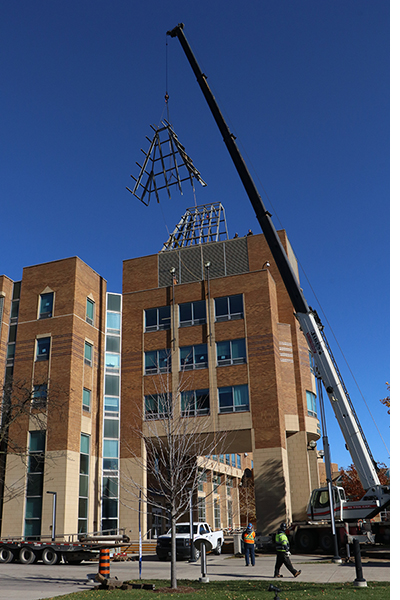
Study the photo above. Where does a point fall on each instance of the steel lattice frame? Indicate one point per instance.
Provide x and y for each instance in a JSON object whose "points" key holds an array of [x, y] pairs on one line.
{"points": [[199, 225]]}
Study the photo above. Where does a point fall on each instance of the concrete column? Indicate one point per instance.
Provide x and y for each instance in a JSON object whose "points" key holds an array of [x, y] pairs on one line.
{"points": [[272, 498], [299, 474]]}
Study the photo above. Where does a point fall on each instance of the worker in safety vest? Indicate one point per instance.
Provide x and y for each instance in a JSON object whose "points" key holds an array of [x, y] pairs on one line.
{"points": [[283, 552], [249, 545]]}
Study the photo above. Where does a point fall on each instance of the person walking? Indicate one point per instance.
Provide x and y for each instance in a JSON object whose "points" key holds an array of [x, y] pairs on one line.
{"points": [[249, 545], [283, 553]]}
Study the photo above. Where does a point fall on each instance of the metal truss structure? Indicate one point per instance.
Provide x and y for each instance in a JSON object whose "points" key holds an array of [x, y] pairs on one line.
{"points": [[199, 225], [163, 165]]}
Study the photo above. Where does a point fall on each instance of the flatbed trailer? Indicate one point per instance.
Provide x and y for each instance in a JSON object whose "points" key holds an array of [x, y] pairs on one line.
{"points": [[51, 552]]}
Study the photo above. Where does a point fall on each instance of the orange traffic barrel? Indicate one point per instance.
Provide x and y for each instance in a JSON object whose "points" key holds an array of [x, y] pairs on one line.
{"points": [[104, 563]]}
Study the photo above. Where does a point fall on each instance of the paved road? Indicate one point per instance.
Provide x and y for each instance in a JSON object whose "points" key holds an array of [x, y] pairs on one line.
{"points": [[38, 581]]}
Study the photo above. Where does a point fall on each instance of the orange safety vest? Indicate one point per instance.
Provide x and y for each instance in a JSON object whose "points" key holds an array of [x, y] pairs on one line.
{"points": [[248, 537]]}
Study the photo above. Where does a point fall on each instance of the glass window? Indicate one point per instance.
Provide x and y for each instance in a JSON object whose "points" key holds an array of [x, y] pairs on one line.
{"points": [[114, 302], [110, 487], [311, 404], [194, 357], [14, 310], [229, 308], [43, 348], [110, 448], [217, 515], [89, 311], [86, 399], [112, 385], [88, 353], [231, 352], [228, 459], [239, 461], [195, 403], [114, 321], [111, 404], [157, 406], [157, 361], [46, 305], [233, 398], [233, 460], [111, 428], [157, 318], [37, 440], [84, 443], [113, 343], [112, 361], [201, 505], [39, 395], [192, 313]]}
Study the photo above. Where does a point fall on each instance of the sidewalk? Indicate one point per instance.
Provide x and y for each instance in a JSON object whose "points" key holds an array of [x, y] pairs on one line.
{"points": [[37, 581]]}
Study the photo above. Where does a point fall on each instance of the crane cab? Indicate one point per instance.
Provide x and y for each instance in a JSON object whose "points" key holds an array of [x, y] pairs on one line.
{"points": [[318, 507]]}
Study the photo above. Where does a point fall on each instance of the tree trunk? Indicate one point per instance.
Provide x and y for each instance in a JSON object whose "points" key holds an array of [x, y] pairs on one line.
{"points": [[174, 582]]}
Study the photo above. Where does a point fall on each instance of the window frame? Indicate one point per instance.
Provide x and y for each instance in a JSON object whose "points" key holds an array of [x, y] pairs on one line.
{"points": [[157, 369], [224, 362], [158, 326], [39, 341], [88, 361], [90, 319], [160, 399], [87, 407], [49, 313], [311, 404], [229, 315], [193, 320], [197, 410], [233, 408], [193, 364]]}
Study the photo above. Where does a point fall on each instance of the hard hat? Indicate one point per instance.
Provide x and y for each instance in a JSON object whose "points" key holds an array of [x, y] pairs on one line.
{"points": [[249, 526], [282, 526]]}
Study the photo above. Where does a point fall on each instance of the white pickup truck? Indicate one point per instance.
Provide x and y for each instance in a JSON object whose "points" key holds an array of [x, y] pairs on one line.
{"points": [[183, 546]]}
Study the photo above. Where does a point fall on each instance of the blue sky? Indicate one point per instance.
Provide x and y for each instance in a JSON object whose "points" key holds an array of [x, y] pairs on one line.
{"points": [[304, 85]]}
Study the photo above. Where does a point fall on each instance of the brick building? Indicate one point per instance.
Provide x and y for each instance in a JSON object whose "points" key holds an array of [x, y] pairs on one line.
{"points": [[214, 315]]}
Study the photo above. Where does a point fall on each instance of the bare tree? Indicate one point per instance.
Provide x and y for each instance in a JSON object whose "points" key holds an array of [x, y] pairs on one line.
{"points": [[21, 402], [177, 440]]}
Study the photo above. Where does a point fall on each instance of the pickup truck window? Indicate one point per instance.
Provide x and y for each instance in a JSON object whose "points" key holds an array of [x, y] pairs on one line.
{"points": [[204, 529]]}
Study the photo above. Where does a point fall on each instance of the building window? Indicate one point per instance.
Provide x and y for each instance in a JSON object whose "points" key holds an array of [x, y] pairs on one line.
{"points": [[113, 322], [216, 483], [43, 348], [110, 505], [201, 510], [195, 403], [112, 385], [310, 356], [228, 459], [88, 354], [110, 454], [14, 311], [192, 313], [231, 352], [89, 311], [217, 515], [34, 488], [233, 398], [194, 357], [46, 305], [229, 308], [112, 362], [111, 406], [39, 395], [83, 500], [157, 318], [229, 486], [157, 361], [86, 399], [233, 460], [202, 481], [230, 513], [158, 406], [239, 461], [311, 404]]}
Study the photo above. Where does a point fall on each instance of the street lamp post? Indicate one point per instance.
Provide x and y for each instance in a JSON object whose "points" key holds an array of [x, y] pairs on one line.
{"points": [[53, 529]]}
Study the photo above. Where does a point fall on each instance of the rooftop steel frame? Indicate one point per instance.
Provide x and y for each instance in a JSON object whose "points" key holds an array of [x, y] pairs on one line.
{"points": [[199, 225]]}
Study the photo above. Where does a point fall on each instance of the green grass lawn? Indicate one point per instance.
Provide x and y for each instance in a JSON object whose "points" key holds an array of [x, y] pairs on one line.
{"points": [[242, 590]]}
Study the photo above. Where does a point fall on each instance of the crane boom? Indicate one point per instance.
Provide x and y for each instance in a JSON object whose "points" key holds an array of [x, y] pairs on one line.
{"points": [[325, 368]]}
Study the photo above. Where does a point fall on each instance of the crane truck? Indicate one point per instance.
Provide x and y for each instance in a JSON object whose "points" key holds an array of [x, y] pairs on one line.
{"points": [[326, 504]]}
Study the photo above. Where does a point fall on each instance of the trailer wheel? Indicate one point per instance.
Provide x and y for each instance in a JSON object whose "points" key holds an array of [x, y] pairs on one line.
{"points": [[50, 556], [6, 556], [306, 540], [27, 556], [326, 542]]}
